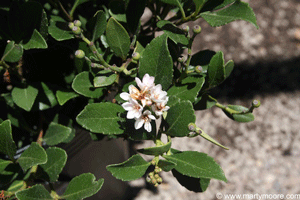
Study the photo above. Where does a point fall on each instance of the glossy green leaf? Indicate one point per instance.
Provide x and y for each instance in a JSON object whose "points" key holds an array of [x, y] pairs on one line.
{"points": [[7, 144], [166, 165], [199, 4], [63, 97], [156, 61], [49, 94], [237, 11], [117, 38], [104, 78], [207, 137], [16, 185], [82, 186], [216, 70], [4, 164], [188, 89], [24, 97], [59, 29], [36, 42], [34, 155], [178, 118], [132, 169], [191, 183], [13, 52], [44, 25], [57, 159], [157, 150], [56, 133], [176, 34], [101, 118], [204, 102], [82, 84], [228, 68], [238, 113], [197, 165], [100, 25], [36, 192]]}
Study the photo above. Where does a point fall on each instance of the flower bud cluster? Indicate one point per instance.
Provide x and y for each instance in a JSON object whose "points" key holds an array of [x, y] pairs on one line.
{"points": [[146, 103], [75, 27], [154, 178]]}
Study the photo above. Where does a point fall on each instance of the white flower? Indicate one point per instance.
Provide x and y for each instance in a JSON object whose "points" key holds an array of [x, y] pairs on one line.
{"points": [[134, 109], [160, 107], [157, 94], [145, 119], [146, 84], [134, 93]]}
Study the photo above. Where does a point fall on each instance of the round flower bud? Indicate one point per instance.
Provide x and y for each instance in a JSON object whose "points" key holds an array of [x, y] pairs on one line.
{"points": [[157, 170], [197, 29], [136, 56], [79, 54], [186, 29], [181, 59], [153, 162], [255, 103], [198, 69], [148, 179], [156, 176], [153, 181], [71, 25], [76, 30], [77, 23], [192, 126], [156, 185], [159, 180], [151, 174]]}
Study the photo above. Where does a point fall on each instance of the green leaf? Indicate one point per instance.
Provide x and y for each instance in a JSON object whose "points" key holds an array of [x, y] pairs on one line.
{"points": [[7, 144], [57, 159], [156, 61], [13, 52], [83, 85], [59, 29], [166, 165], [24, 97], [44, 25], [178, 118], [191, 183], [157, 150], [4, 164], [216, 70], [188, 89], [199, 4], [228, 68], [238, 113], [176, 34], [99, 25], [197, 165], [56, 133], [49, 94], [207, 137], [36, 42], [139, 48], [16, 185], [82, 186], [132, 169], [237, 11], [204, 102], [63, 97], [101, 118], [36, 192], [34, 155], [117, 38], [104, 78]]}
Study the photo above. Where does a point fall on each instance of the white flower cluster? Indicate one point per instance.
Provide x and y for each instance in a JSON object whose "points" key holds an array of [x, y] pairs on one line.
{"points": [[143, 103]]}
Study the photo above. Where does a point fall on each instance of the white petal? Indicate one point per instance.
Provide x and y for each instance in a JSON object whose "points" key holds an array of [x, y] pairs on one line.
{"points": [[127, 106], [138, 123], [148, 127], [125, 96], [151, 117], [130, 114], [137, 113], [139, 83], [146, 112]]}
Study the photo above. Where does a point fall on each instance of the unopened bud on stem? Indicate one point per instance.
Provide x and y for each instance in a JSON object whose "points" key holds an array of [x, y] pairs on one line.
{"points": [[255, 103], [136, 56], [76, 30], [79, 54], [186, 29], [198, 69], [197, 29], [77, 23]]}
